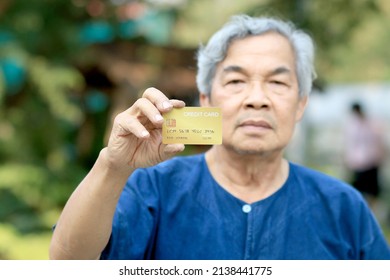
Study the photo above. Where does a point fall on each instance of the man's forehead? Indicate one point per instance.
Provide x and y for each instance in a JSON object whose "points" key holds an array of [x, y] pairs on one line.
{"points": [[270, 51], [267, 43]]}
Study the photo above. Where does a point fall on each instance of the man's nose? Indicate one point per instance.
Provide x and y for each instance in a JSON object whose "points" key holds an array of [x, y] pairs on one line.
{"points": [[257, 96]]}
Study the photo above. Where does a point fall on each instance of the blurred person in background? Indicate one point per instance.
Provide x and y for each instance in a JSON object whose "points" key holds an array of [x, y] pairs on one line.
{"points": [[238, 200], [364, 152]]}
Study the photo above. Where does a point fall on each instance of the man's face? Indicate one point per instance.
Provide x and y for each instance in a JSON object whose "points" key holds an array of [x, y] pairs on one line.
{"points": [[256, 88]]}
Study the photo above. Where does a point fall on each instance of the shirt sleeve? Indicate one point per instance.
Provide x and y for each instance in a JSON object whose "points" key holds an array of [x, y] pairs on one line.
{"points": [[374, 244], [134, 221]]}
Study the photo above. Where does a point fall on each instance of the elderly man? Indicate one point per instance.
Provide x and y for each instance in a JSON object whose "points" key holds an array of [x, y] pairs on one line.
{"points": [[239, 200]]}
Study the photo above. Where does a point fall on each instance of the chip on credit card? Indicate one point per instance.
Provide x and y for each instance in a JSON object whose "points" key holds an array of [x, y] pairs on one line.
{"points": [[193, 125]]}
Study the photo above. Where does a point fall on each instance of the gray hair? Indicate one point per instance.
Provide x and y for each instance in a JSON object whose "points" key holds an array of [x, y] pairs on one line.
{"points": [[242, 26]]}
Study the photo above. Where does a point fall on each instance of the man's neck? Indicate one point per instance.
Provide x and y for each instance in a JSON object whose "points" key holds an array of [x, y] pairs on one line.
{"points": [[247, 177]]}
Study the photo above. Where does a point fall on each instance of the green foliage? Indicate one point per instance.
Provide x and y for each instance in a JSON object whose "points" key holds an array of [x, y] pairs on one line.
{"points": [[44, 27], [52, 84], [31, 197], [15, 246], [332, 23], [42, 109], [327, 21], [45, 104]]}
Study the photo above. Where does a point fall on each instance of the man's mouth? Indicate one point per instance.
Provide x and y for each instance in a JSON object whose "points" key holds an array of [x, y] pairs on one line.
{"points": [[261, 124]]}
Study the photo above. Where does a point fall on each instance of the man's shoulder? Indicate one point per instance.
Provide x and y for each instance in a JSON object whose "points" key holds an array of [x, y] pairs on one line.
{"points": [[315, 181], [312, 175]]}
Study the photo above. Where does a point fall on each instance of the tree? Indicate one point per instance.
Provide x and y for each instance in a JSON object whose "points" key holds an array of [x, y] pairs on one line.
{"points": [[331, 23]]}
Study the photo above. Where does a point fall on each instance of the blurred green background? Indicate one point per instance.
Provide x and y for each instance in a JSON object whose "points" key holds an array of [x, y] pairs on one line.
{"points": [[68, 66]]}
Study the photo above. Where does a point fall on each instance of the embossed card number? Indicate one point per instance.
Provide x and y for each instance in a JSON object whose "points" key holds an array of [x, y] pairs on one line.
{"points": [[193, 125]]}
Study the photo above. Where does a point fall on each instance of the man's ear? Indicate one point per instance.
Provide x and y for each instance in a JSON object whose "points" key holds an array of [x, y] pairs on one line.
{"points": [[204, 100], [301, 108]]}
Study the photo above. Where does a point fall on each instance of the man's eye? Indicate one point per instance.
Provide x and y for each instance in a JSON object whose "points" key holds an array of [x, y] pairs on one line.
{"points": [[235, 81], [276, 82]]}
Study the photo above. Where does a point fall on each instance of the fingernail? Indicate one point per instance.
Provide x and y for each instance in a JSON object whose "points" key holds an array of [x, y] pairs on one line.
{"points": [[158, 118], [144, 133], [166, 105]]}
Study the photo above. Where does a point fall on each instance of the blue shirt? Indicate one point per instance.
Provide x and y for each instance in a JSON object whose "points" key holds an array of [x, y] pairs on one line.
{"points": [[176, 210]]}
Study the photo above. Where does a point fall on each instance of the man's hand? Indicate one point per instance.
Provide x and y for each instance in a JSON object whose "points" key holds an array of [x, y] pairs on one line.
{"points": [[135, 139]]}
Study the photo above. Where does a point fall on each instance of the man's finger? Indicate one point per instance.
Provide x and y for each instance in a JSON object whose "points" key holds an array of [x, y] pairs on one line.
{"points": [[158, 98], [125, 124], [144, 108]]}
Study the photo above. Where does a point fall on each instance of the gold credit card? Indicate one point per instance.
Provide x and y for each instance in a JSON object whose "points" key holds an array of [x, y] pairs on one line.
{"points": [[193, 125]]}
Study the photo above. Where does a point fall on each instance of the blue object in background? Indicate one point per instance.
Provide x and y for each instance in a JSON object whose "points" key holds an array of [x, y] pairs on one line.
{"points": [[96, 101], [5, 37], [128, 29], [155, 27], [14, 75], [97, 32]]}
